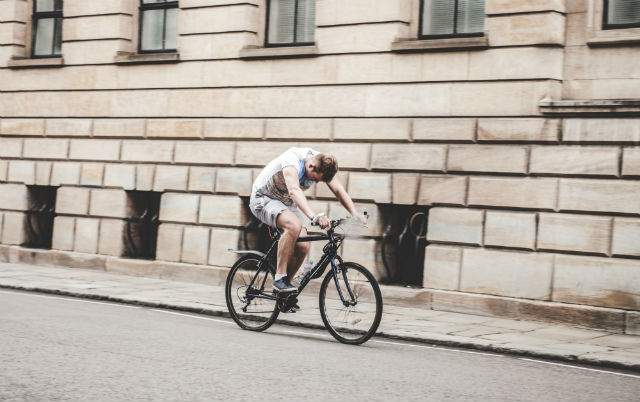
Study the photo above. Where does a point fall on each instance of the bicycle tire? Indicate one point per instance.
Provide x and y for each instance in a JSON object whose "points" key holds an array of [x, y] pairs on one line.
{"points": [[240, 275], [366, 314]]}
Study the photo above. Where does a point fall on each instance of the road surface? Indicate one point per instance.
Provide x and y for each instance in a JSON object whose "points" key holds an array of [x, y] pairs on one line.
{"points": [[66, 349]]}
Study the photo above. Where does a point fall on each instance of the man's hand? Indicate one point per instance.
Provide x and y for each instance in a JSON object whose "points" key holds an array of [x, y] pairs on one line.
{"points": [[362, 218], [323, 222]]}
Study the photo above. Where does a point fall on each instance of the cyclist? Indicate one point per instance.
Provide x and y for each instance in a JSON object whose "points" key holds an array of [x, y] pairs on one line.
{"points": [[278, 200]]}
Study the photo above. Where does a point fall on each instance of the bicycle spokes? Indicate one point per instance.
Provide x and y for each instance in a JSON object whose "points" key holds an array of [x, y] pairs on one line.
{"points": [[351, 304], [250, 304]]}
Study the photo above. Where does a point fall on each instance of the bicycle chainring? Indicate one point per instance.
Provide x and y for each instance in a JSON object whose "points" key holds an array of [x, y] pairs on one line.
{"points": [[285, 302]]}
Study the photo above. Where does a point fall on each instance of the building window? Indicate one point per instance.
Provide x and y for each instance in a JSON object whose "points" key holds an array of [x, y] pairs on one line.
{"points": [[291, 22], [158, 26], [47, 28], [451, 18], [621, 14]]}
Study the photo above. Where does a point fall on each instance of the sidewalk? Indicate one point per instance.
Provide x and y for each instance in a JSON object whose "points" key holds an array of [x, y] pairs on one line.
{"points": [[436, 327]]}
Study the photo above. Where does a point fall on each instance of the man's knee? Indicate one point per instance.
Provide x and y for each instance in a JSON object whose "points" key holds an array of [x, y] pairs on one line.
{"points": [[303, 248], [288, 222]]}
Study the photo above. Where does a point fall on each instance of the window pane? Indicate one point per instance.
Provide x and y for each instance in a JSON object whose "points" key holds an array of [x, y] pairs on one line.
{"points": [[281, 16], [152, 21], [171, 33], [437, 17], [470, 16], [623, 12], [45, 5], [306, 24], [57, 38], [44, 37]]}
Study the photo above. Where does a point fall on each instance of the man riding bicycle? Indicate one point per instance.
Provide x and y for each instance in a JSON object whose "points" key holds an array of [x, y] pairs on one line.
{"points": [[278, 200]]}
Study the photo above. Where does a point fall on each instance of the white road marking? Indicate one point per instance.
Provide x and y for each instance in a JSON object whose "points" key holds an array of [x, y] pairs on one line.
{"points": [[71, 299], [192, 316], [580, 368], [439, 348]]}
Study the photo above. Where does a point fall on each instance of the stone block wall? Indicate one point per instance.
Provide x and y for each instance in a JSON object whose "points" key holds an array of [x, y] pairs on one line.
{"points": [[532, 180]]}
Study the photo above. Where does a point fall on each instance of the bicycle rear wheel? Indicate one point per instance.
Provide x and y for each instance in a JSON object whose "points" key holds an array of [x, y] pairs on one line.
{"points": [[247, 308], [356, 322]]}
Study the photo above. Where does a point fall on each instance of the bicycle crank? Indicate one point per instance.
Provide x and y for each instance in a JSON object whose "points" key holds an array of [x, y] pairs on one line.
{"points": [[287, 301]]}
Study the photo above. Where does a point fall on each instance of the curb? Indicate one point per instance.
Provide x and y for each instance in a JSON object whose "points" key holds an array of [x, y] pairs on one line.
{"points": [[569, 358]]}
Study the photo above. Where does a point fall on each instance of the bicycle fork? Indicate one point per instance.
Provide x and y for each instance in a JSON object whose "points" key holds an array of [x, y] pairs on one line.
{"points": [[352, 301]]}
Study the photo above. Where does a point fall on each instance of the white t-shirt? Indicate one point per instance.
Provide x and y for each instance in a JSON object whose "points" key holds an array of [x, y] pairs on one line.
{"points": [[270, 182]]}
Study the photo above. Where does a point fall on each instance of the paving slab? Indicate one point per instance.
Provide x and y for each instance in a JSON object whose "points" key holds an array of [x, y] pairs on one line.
{"points": [[615, 341], [501, 335], [564, 333], [517, 325], [519, 338], [578, 348], [478, 330]]}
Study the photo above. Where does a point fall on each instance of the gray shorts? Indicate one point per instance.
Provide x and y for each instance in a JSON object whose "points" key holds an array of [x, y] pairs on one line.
{"points": [[267, 209]]}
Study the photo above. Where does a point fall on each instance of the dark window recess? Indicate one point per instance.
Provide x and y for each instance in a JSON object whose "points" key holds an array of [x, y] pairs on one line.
{"points": [[451, 18], [40, 216], [158, 26], [141, 230], [403, 243], [46, 29], [255, 234], [619, 14], [291, 22]]}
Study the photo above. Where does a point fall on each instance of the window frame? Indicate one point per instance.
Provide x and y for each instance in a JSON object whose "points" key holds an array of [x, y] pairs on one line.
{"points": [[295, 28], [445, 36], [607, 26], [57, 24], [166, 5]]}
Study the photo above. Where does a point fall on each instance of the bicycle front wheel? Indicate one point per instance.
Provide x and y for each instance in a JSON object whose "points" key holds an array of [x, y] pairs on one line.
{"points": [[355, 317], [248, 305]]}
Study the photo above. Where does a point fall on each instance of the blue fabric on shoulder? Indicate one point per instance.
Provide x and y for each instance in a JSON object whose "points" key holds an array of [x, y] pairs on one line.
{"points": [[301, 179]]}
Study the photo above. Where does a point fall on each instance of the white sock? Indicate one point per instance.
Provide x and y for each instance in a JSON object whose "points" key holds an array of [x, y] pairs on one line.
{"points": [[280, 276]]}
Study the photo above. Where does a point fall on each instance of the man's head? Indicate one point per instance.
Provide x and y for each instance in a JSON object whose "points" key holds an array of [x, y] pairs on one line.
{"points": [[322, 167]]}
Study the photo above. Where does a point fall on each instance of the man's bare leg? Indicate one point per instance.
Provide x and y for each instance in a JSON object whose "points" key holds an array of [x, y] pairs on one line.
{"points": [[291, 227], [300, 251]]}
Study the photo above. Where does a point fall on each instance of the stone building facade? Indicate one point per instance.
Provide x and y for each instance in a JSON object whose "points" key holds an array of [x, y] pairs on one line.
{"points": [[520, 141]]}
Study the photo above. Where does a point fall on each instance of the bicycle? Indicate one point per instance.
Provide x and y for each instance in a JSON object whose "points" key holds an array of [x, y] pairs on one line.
{"points": [[350, 299]]}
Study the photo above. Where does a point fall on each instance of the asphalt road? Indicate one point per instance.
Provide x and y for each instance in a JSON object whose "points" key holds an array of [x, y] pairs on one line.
{"points": [[65, 349]]}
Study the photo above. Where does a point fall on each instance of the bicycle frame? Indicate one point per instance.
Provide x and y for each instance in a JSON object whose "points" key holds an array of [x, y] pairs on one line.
{"points": [[330, 254]]}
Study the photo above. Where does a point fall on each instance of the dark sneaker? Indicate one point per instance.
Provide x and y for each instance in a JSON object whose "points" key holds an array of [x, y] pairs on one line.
{"points": [[282, 285], [293, 309]]}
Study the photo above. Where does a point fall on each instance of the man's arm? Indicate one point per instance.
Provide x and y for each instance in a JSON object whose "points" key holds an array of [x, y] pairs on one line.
{"points": [[341, 194], [297, 195]]}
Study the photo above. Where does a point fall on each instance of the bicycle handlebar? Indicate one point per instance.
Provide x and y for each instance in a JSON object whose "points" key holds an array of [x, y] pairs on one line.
{"points": [[337, 222]]}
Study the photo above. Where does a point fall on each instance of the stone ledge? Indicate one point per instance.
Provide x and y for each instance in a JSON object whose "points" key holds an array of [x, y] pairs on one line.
{"points": [[36, 63], [255, 53], [435, 45], [589, 107], [621, 40], [600, 42], [507, 307], [146, 58], [440, 300]]}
